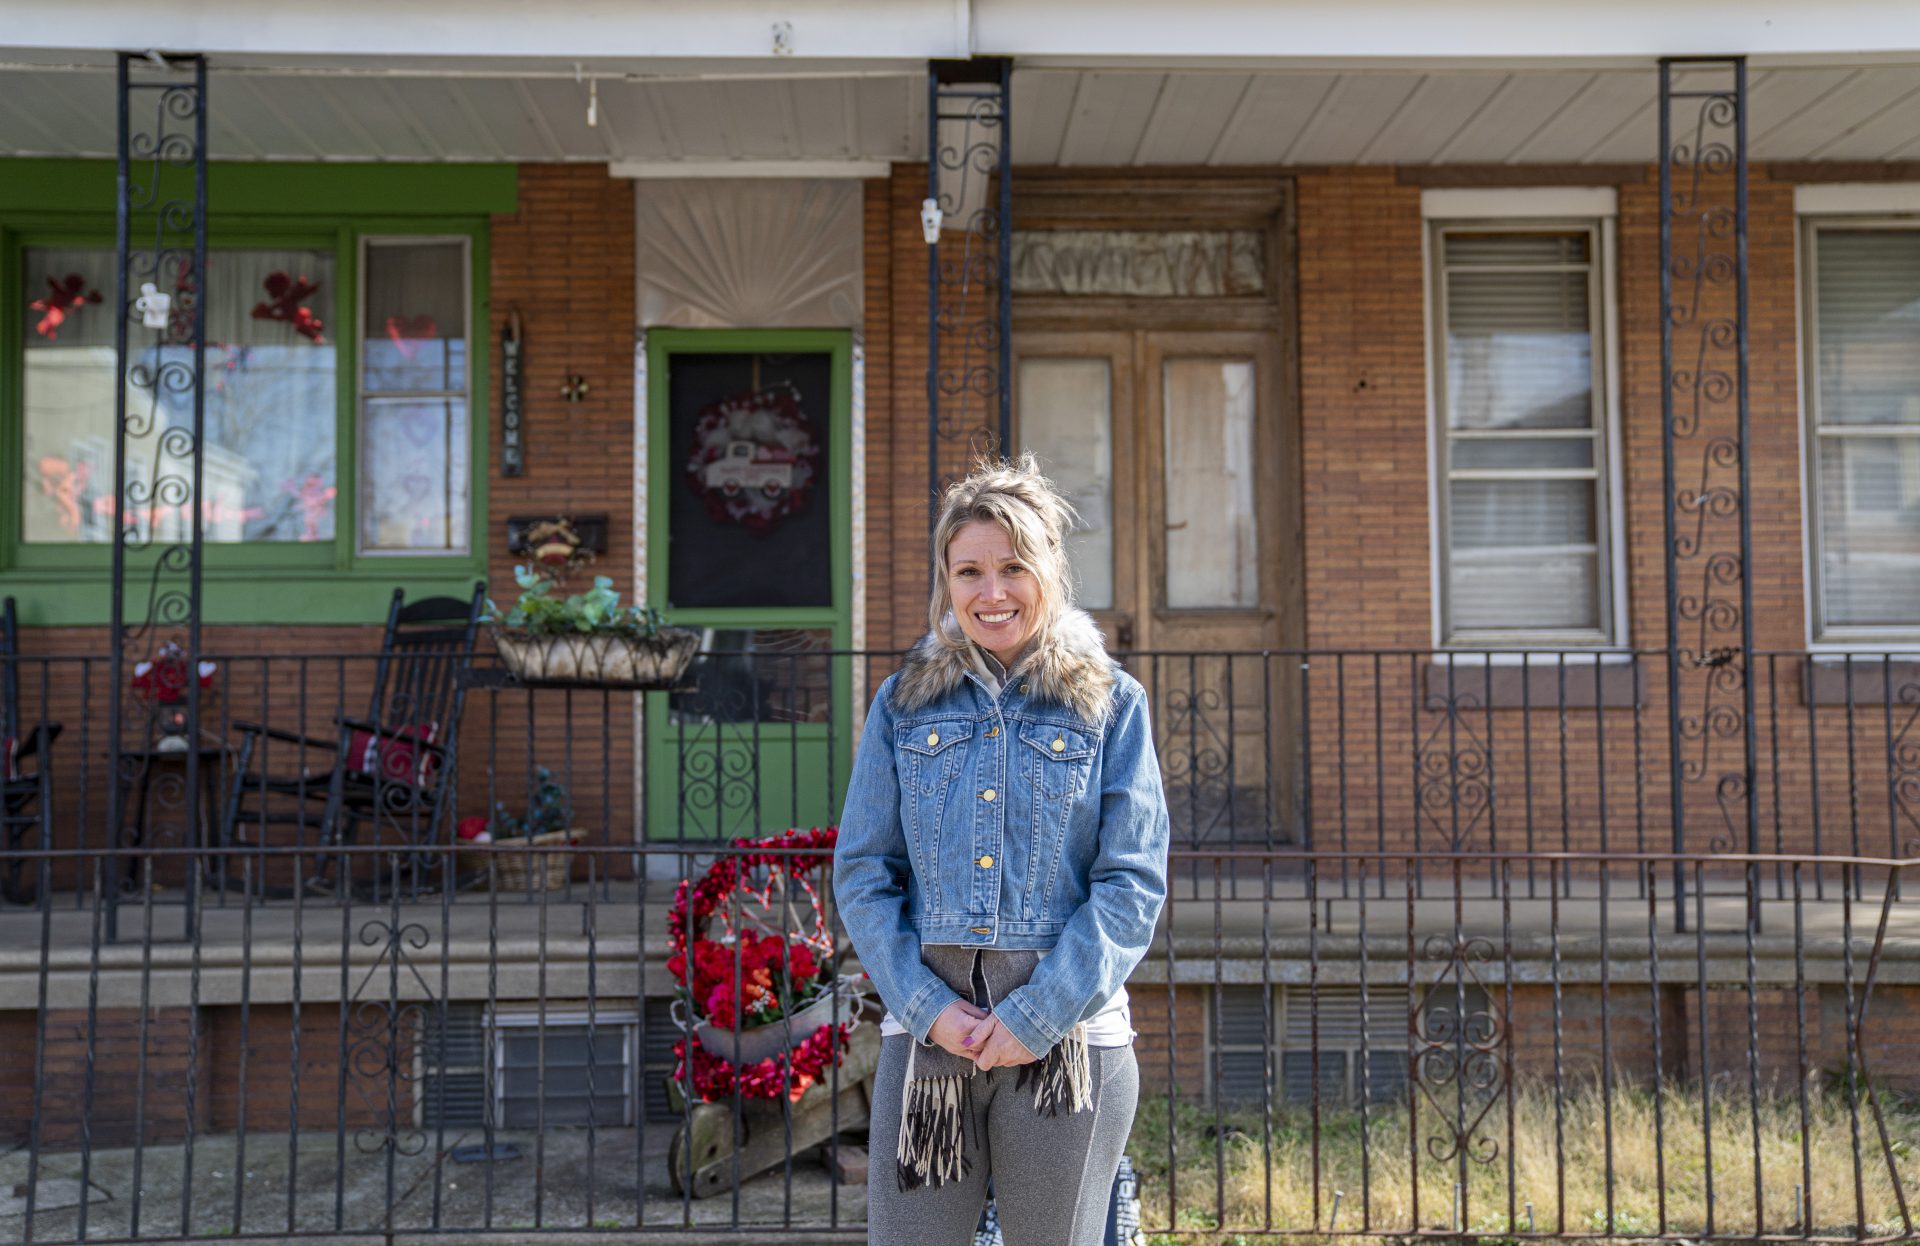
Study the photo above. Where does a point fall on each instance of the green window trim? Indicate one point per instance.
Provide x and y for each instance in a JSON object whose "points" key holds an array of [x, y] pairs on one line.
{"points": [[324, 207]]}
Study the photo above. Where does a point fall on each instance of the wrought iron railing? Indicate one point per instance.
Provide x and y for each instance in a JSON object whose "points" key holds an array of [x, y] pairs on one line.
{"points": [[1389, 752], [1323, 1055]]}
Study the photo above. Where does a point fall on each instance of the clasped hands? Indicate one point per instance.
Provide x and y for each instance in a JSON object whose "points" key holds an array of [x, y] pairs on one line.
{"points": [[972, 1033]]}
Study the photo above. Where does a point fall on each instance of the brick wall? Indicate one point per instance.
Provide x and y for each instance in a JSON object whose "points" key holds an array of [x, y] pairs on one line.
{"points": [[265, 1046], [1181, 1026]]}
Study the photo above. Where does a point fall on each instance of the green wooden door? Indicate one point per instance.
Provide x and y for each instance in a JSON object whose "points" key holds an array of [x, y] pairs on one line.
{"points": [[749, 539]]}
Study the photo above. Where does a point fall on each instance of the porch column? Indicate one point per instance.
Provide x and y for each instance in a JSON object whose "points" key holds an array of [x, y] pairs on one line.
{"points": [[1709, 541], [160, 253], [967, 218]]}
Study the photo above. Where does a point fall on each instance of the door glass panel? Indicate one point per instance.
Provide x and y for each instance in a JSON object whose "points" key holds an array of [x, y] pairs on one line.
{"points": [[1066, 420], [765, 675], [1212, 551], [748, 506]]}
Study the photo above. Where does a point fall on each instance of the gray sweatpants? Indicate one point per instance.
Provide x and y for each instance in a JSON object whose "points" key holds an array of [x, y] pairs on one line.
{"points": [[1052, 1175]]}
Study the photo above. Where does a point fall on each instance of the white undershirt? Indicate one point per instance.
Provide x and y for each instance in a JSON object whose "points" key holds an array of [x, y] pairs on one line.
{"points": [[1112, 1026]]}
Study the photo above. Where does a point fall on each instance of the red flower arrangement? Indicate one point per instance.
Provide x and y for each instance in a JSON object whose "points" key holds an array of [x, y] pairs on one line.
{"points": [[739, 980]]}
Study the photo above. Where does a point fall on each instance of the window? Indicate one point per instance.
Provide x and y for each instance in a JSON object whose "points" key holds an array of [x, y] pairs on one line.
{"points": [[414, 471], [1244, 1032], [1863, 414], [1349, 1064], [566, 1071], [1520, 444], [269, 467], [344, 400]]}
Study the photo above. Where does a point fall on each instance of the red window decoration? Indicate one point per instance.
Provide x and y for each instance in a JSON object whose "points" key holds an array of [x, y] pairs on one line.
{"points": [[286, 303], [63, 299]]}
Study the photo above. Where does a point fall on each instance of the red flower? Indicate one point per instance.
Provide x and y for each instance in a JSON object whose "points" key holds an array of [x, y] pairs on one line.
{"points": [[720, 1006], [805, 967]]}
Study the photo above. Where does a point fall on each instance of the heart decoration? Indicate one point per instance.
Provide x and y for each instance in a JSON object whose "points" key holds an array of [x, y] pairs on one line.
{"points": [[403, 332]]}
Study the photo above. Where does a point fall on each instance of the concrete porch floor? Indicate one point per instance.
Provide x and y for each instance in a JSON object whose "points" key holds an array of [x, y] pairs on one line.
{"points": [[613, 940]]}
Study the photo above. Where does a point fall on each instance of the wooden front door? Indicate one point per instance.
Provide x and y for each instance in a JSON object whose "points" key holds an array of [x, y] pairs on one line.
{"points": [[1171, 445]]}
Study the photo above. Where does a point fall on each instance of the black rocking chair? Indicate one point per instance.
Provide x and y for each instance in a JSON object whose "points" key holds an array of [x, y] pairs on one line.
{"points": [[392, 770], [26, 792]]}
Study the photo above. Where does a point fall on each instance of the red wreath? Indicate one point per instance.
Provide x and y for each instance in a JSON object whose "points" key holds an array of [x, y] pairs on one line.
{"points": [[768, 968], [288, 296], [63, 299], [753, 460]]}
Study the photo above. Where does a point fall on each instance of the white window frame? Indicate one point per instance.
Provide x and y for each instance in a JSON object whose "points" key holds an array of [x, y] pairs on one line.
{"points": [[626, 1020], [1838, 206], [360, 395], [1546, 209]]}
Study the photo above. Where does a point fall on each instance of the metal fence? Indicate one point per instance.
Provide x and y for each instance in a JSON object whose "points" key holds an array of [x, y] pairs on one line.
{"points": [[1319, 1056], [1406, 752]]}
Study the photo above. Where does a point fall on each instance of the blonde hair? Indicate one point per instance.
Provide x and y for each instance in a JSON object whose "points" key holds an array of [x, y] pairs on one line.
{"points": [[1036, 518]]}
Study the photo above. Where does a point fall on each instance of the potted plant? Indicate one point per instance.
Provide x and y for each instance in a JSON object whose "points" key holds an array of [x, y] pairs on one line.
{"points": [[549, 821], [588, 637]]}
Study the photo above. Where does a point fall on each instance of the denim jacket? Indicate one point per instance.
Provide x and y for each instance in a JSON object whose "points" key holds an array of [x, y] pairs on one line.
{"points": [[1031, 819]]}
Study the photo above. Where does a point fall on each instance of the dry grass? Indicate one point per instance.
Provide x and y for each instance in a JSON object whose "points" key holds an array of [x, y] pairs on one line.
{"points": [[1560, 1168]]}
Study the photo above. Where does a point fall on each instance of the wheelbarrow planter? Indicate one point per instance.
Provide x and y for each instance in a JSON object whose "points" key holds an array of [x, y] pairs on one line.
{"points": [[707, 1144]]}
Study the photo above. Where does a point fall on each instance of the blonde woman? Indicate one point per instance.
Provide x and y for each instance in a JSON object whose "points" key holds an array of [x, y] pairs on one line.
{"points": [[1001, 865]]}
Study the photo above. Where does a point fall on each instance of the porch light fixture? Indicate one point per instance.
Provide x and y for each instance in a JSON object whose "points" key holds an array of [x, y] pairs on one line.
{"points": [[930, 218], [593, 94]]}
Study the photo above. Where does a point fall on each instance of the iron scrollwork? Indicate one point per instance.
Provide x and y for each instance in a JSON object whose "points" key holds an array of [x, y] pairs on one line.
{"points": [[969, 266], [160, 250], [1458, 1055], [1704, 394], [381, 1034]]}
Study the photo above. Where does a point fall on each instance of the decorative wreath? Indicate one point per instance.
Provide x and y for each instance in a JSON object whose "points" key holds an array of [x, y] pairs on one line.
{"points": [[777, 971], [753, 459]]}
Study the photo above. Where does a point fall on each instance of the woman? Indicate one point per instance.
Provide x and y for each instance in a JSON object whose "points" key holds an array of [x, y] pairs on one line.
{"points": [[1001, 864]]}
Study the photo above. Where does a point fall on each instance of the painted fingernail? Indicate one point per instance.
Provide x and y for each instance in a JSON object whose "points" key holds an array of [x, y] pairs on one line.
{"points": [[967, 1041]]}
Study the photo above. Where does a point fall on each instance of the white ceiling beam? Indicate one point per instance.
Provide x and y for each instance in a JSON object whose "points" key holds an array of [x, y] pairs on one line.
{"points": [[645, 169], [1061, 32], [860, 30]]}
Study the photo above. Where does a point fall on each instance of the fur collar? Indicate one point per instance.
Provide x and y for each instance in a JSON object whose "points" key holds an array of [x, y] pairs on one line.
{"points": [[1071, 669]]}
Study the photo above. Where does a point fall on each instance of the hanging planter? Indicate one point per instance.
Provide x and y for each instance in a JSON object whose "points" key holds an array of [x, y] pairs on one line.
{"points": [[588, 638]]}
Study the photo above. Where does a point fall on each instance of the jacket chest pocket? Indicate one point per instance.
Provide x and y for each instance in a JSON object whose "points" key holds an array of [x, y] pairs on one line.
{"points": [[928, 754], [1059, 758]]}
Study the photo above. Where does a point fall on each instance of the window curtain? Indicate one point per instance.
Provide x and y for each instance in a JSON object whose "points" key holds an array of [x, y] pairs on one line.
{"points": [[269, 386]]}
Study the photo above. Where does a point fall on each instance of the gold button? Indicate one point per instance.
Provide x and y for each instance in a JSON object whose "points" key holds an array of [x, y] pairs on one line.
{"points": [[1059, 745], [987, 795], [1023, 687], [933, 738], [986, 862]]}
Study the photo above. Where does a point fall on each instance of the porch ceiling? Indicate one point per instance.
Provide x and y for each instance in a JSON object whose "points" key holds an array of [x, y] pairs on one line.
{"points": [[532, 111]]}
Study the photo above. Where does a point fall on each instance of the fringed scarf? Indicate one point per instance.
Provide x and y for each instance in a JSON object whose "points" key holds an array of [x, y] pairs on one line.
{"points": [[938, 1099]]}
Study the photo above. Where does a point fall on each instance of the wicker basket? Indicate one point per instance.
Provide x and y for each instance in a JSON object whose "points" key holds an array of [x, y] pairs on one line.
{"points": [[515, 869], [595, 658]]}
